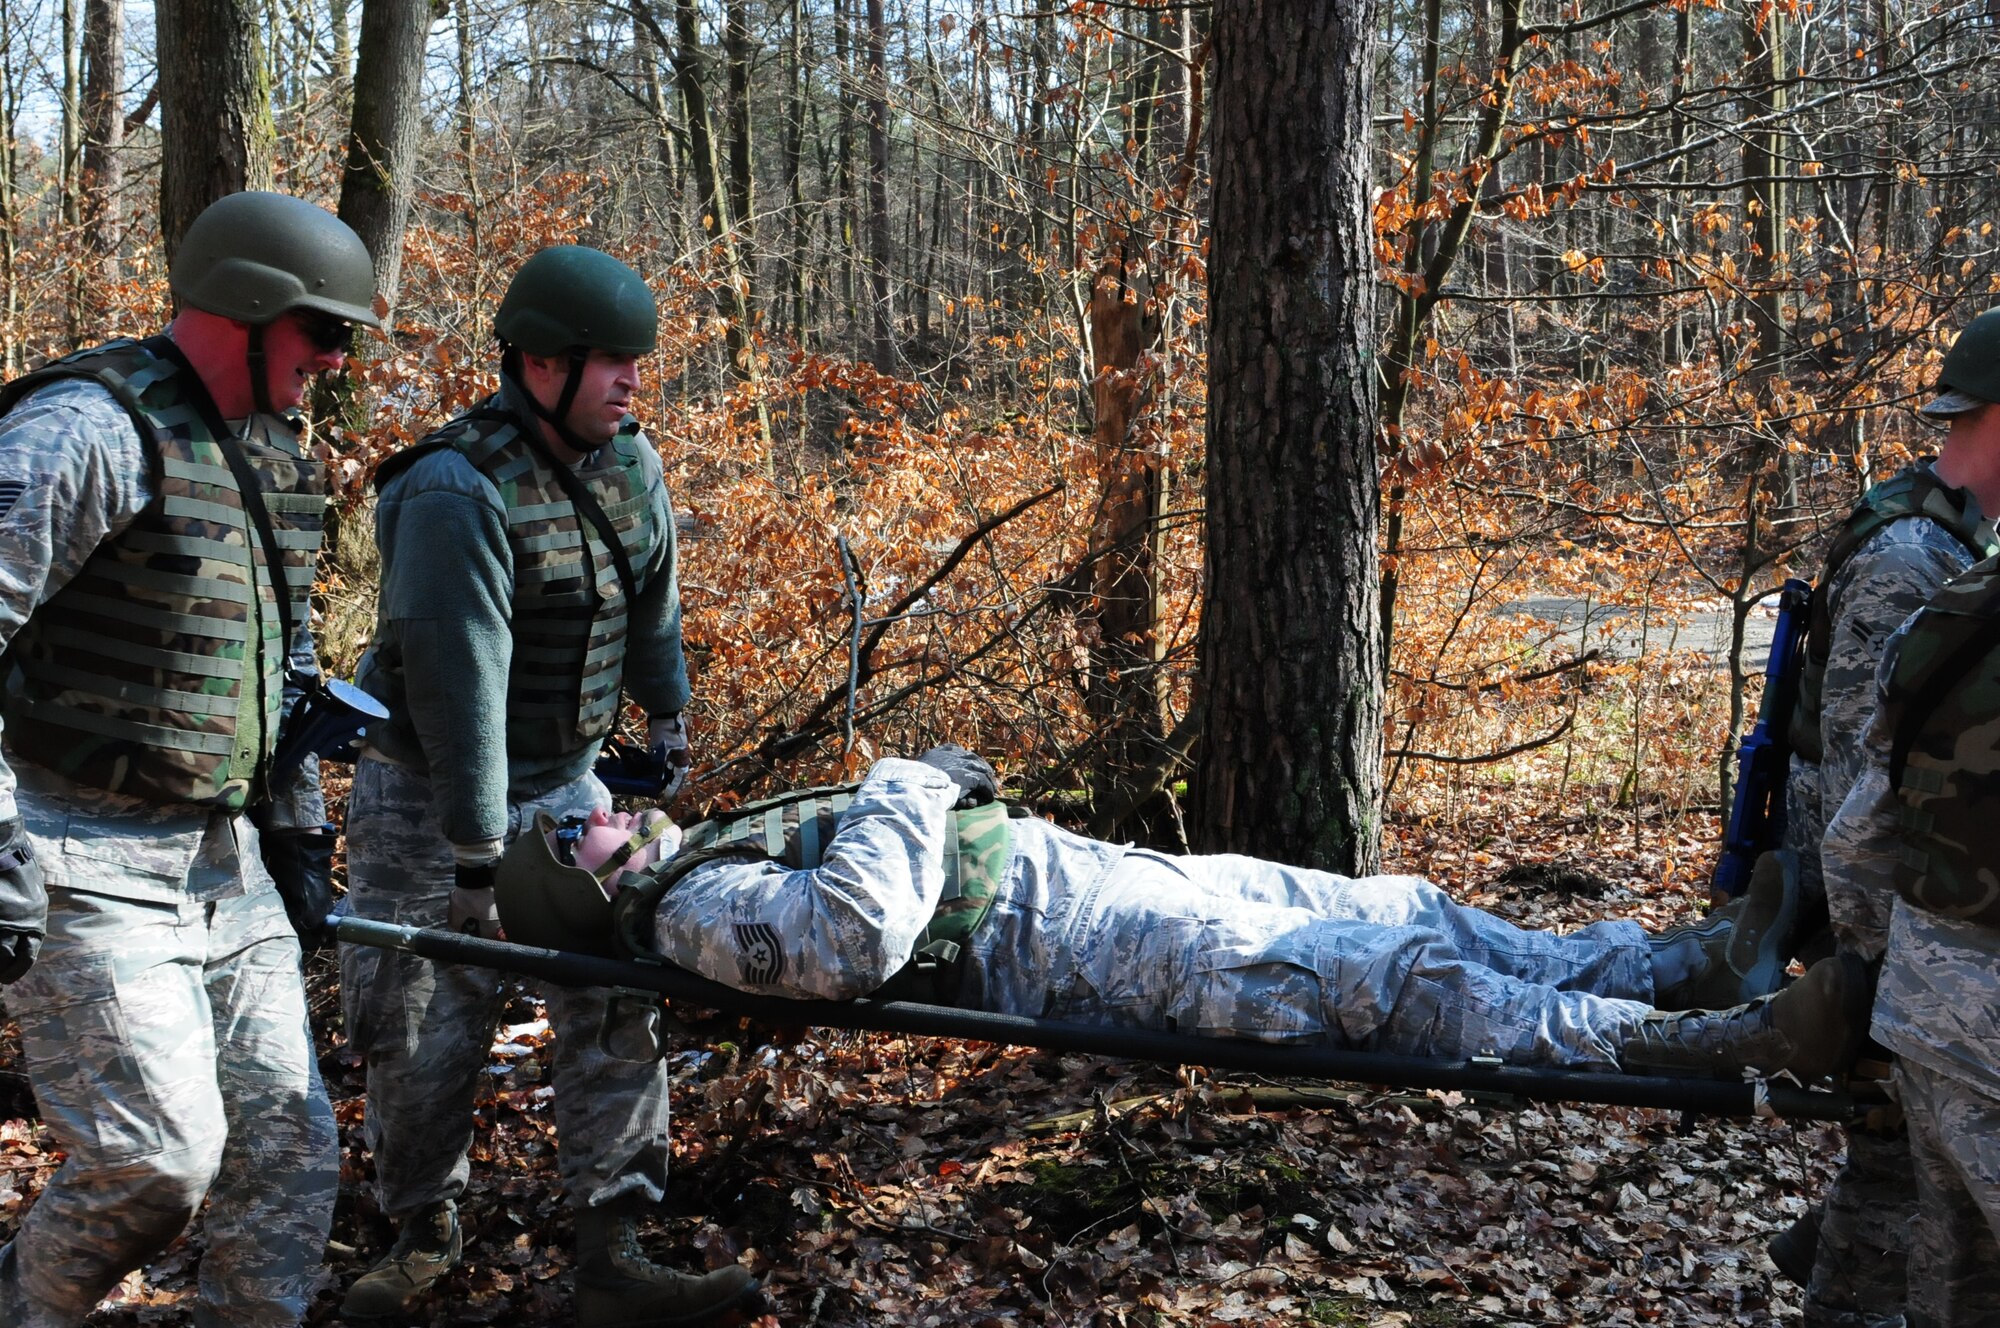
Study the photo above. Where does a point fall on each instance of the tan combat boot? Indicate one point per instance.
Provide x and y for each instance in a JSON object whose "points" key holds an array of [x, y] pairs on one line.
{"points": [[1738, 952], [427, 1246], [617, 1286], [1812, 1028]]}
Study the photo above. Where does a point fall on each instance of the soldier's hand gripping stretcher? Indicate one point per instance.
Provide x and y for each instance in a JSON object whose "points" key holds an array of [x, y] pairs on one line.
{"points": [[328, 720]]}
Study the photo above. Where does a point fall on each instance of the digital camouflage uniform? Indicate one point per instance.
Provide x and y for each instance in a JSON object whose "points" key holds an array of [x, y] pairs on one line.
{"points": [[426, 1028], [494, 715], [1212, 946], [164, 1026], [1857, 1276], [1936, 1009]]}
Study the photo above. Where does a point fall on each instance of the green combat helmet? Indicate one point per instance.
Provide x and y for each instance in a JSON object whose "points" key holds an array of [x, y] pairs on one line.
{"points": [[254, 256], [1970, 377], [568, 298], [548, 902], [571, 300]]}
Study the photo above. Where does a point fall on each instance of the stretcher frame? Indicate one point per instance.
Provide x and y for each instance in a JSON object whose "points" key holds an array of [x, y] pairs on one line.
{"points": [[1691, 1096]]}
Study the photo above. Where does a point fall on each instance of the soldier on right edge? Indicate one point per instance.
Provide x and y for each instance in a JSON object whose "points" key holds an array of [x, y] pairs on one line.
{"points": [[1919, 829], [1906, 538]]}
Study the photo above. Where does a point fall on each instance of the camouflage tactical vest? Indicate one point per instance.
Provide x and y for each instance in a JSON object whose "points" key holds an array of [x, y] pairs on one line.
{"points": [[794, 829], [158, 671], [1912, 492], [569, 610], [1943, 691]]}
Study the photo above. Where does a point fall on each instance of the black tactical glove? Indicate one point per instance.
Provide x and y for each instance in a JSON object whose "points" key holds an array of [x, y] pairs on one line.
{"points": [[473, 909], [24, 905], [301, 862], [977, 782]]}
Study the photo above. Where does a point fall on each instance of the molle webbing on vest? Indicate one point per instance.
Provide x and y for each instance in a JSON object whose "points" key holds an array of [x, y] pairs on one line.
{"points": [[1913, 492], [794, 830], [570, 611], [1943, 692], [158, 671]]}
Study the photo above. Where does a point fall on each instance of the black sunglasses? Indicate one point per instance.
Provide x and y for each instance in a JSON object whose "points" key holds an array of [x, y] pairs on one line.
{"points": [[325, 332]]}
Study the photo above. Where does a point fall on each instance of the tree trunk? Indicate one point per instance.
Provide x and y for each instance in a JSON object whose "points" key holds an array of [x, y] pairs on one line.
{"points": [[843, 67], [737, 51], [689, 71], [1125, 700], [1763, 195], [792, 291], [10, 242], [337, 12], [1291, 646], [468, 143], [652, 49], [69, 166], [103, 133], [380, 180], [882, 347], [216, 135]]}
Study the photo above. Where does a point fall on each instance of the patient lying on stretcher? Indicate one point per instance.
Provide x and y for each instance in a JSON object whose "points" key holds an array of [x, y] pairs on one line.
{"points": [[920, 883]]}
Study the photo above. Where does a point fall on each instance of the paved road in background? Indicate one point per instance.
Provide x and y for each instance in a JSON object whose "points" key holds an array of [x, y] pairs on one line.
{"points": [[1617, 631]]}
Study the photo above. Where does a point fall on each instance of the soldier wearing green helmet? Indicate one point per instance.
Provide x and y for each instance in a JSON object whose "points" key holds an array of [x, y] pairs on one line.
{"points": [[148, 618], [1905, 539], [528, 581]]}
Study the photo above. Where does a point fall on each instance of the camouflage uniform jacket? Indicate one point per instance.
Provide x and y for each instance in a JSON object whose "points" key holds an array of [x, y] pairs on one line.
{"points": [[73, 475], [1936, 1003], [445, 639], [876, 889], [1887, 579]]}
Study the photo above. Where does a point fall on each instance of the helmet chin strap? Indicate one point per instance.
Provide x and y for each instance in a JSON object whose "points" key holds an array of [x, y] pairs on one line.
{"points": [[557, 419], [260, 384]]}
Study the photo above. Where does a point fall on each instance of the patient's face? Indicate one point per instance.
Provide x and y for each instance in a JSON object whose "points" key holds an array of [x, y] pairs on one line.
{"points": [[607, 832]]}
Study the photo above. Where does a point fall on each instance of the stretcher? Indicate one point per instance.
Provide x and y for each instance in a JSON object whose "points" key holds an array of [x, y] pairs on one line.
{"points": [[1690, 1096]]}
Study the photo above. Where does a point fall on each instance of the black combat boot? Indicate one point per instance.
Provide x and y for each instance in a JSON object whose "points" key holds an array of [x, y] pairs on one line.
{"points": [[427, 1247], [1812, 1028], [1738, 952], [1793, 1250], [617, 1286]]}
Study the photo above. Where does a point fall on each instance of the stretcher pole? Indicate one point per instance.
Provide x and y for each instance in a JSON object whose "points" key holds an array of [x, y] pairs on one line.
{"points": [[1705, 1097]]}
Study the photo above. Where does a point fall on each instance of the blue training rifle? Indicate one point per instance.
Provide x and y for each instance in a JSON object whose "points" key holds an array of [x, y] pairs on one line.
{"points": [[1757, 816]]}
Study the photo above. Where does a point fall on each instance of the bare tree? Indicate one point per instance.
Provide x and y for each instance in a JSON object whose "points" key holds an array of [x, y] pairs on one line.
{"points": [[380, 179], [882, 345], [103, 127]]}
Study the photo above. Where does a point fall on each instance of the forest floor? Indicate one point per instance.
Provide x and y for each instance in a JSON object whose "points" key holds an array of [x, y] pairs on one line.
{"points": [[878, 1180]]}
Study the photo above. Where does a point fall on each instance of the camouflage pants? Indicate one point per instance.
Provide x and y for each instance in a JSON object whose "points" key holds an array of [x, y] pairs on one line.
{"points": [[1230, 946], [425, 1028], [170, 1057], [1864, 1235], [1955, 1241]]}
